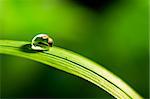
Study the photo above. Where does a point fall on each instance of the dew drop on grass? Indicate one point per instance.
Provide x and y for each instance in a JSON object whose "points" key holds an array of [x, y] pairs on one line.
{"points": [[41, 42]]}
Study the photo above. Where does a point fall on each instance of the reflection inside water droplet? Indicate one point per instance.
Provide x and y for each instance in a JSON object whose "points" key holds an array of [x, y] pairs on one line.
{"points": [[41, 42]]}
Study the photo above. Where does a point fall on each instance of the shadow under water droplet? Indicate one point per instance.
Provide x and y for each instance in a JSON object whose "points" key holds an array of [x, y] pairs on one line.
{"points": [[27, 48]]}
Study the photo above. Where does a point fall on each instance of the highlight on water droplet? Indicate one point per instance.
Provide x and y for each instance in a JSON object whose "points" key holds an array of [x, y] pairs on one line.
{"points": [[41, 42]]}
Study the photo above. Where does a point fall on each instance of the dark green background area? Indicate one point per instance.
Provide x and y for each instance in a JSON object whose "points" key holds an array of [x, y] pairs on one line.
{"points": [[113, 33]]}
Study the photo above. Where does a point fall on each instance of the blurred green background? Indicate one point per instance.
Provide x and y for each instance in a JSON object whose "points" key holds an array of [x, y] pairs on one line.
{"points": [[113, 33]]}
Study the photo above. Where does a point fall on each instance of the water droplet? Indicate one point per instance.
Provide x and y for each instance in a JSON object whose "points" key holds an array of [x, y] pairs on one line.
{"points": [[41, 42]]}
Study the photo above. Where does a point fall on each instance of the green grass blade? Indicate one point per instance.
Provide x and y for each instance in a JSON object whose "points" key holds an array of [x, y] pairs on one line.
{"points": [[74, 64]]}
